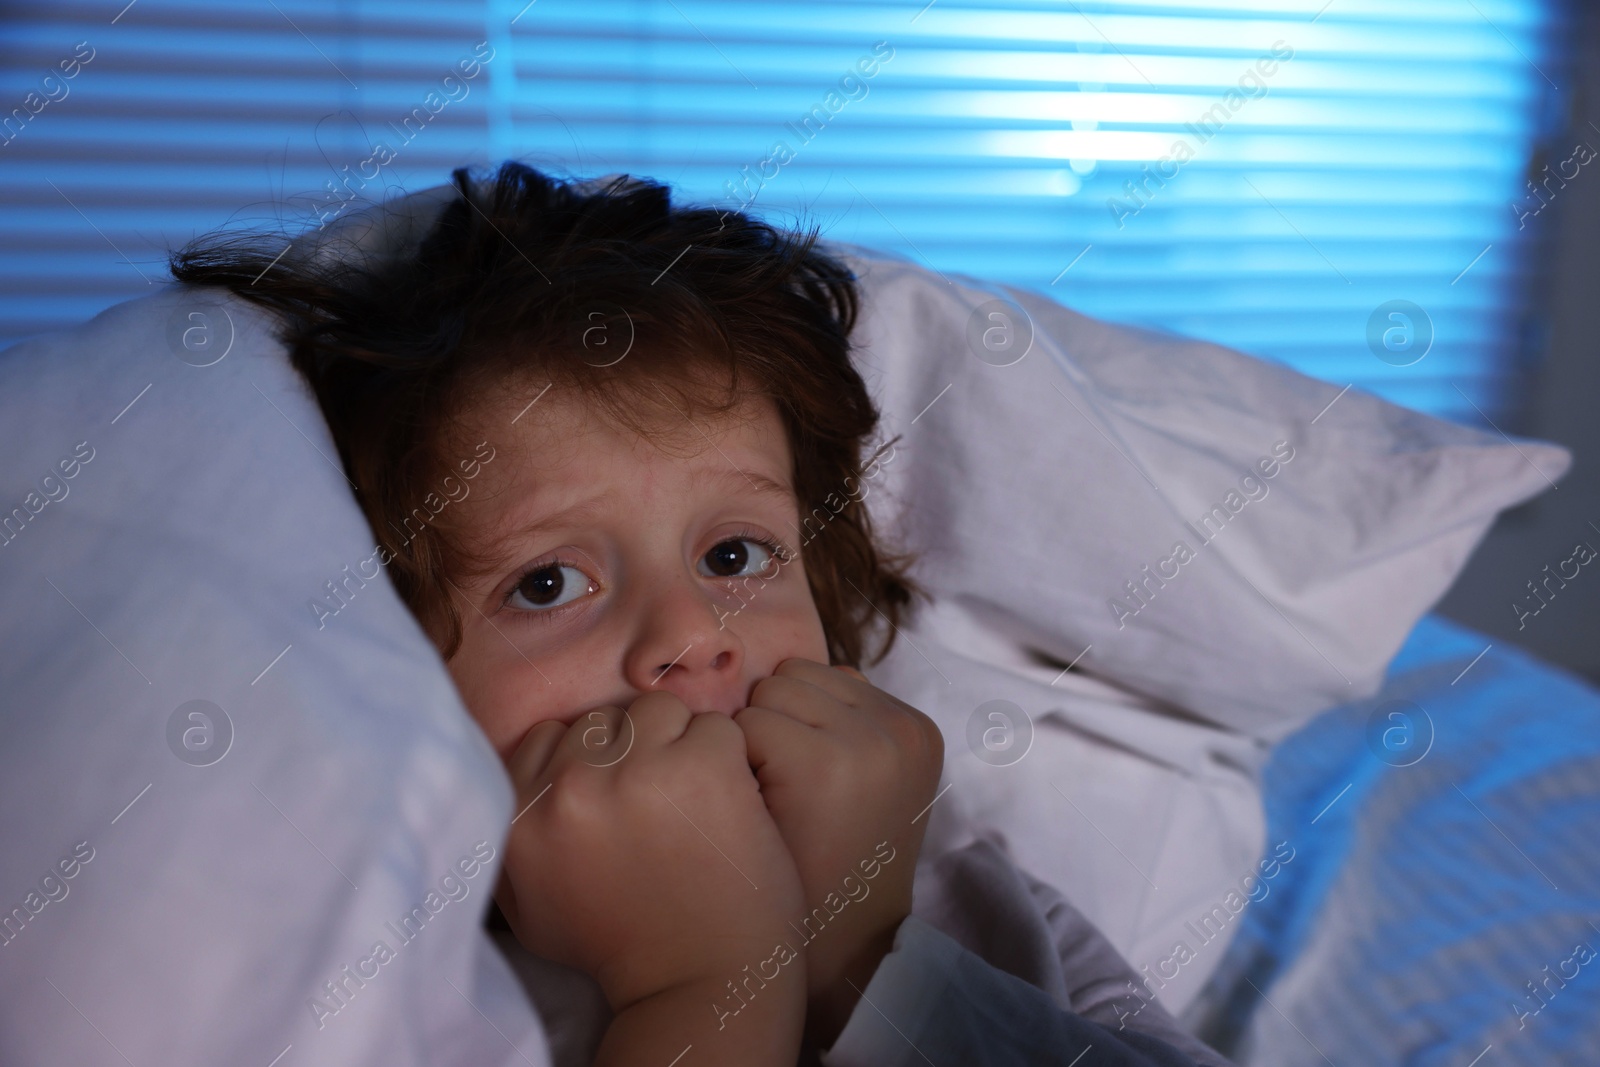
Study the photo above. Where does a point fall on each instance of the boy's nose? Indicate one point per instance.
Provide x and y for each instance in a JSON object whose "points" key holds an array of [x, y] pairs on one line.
{"points": [[682, 649], [705, 683]]}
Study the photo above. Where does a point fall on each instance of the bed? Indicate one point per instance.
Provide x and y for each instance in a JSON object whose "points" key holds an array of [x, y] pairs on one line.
{"points": [[1448, 876]]}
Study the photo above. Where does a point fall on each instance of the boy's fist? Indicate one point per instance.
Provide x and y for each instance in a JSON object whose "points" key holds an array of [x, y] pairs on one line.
{"points": [[651, 865], [843, 768]]}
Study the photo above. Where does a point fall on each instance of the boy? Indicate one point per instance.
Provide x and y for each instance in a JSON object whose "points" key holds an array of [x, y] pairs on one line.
{"points": [[613, 451]]}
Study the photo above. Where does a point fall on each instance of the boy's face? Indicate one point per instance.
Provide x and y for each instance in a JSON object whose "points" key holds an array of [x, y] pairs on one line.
{"points": [[624, 568]]}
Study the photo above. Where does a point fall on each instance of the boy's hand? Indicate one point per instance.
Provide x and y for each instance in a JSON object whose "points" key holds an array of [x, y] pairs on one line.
{"points": [[843, 767], [659, 870]]}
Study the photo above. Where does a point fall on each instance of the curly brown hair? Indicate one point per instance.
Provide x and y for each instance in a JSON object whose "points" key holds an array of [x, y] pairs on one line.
{"points": [[506, 289]]}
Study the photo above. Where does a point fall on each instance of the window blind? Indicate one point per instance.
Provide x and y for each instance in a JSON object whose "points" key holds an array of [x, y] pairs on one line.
{"points": [[1342, 186], [193, 116]]}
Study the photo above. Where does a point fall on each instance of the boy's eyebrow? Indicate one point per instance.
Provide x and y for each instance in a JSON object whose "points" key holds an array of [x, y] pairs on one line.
{"points": [[740, 479], [565, 517], [755, 480]]}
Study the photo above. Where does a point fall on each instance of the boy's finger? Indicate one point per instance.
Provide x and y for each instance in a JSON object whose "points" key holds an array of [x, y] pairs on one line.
{"points": [[883, 709], [534, 753], [770, 736], [851, 689], [659, 718], [799, 699], [599, 737], [715, 735]]}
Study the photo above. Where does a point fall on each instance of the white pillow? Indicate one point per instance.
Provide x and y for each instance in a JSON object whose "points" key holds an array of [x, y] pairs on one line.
{"points": [[1048, 459], [1032, 491], [186, 885]]}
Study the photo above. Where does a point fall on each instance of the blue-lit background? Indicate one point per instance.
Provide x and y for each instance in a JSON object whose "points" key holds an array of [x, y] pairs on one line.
{"points": [[1378, 160], [1376, 151]]}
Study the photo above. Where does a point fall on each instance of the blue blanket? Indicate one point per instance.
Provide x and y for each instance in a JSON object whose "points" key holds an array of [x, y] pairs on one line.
{"points": [[1443, 907]]}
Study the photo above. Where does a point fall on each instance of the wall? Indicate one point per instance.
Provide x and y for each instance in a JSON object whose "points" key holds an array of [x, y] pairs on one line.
{"points": [[1563, 405]]}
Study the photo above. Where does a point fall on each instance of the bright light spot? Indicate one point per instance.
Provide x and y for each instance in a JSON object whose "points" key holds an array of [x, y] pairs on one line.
{"points": [[1066, 183]]}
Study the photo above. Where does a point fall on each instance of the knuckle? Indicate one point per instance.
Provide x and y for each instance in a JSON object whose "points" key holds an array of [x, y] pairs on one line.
{"points": [[574, 799], [794, 666], [763, 691], [597, 738], [718, 731], [546, 728], [917, 741], [773, 690], [923, 729], [885, 748], [904, 729]]}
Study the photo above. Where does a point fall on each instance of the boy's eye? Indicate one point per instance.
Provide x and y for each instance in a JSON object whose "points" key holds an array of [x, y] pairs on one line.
{"points": [[736, 558], [550, 587]]}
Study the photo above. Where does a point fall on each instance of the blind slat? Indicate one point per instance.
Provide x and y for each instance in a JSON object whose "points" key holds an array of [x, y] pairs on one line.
{"points": [[1378, 154]]}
